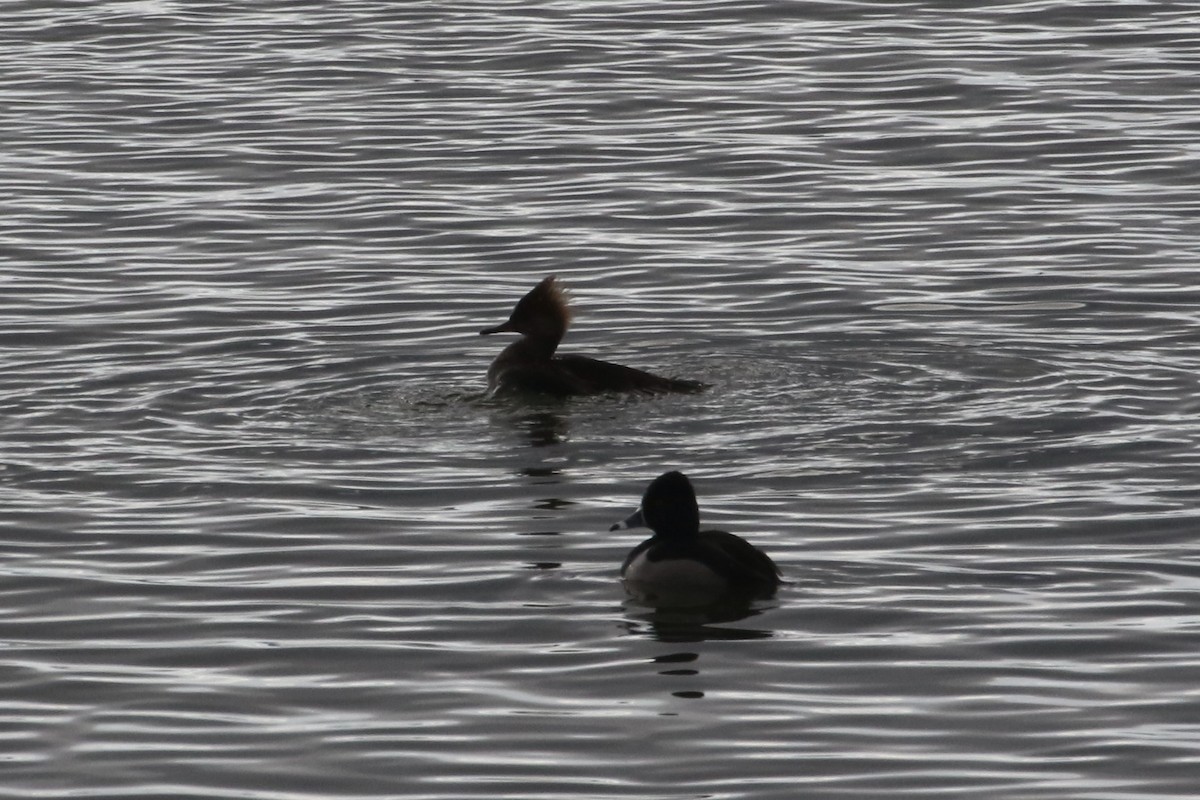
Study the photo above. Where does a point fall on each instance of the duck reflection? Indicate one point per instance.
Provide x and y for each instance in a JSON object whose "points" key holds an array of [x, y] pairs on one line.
{"points": [[543, 428], [682, 667], [673, 666], [541, 425], [693, 624]]}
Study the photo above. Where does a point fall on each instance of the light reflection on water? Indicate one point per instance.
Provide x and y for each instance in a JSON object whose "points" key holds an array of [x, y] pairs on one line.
{"points": [[264, 535]]}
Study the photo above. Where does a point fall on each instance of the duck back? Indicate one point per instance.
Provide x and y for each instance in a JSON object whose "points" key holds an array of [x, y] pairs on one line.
{"points": [[594, 375]]}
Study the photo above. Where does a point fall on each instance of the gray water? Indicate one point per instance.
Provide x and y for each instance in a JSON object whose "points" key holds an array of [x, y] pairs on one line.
{"points": [[262, 535]]}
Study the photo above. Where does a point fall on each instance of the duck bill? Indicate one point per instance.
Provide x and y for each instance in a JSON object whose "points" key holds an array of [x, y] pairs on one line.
{"points": [[504, 327], [634, 520]]}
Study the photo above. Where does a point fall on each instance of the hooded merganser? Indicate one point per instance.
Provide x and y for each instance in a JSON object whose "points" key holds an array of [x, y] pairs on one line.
{"points": [[529, 364], [681, 565]]}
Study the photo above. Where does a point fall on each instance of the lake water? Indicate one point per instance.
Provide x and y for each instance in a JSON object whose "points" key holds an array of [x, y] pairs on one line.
{"points": [[263, 536]]}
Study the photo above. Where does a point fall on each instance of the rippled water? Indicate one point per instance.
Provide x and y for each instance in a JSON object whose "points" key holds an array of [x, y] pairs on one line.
{"points": [[262, 535]]}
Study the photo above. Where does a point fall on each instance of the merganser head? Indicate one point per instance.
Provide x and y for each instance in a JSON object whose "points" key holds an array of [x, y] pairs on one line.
{"points": [[541, 314]]}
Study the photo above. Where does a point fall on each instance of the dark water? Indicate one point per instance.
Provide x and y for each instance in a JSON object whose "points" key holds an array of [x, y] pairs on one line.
{"points": [[262, 536]]}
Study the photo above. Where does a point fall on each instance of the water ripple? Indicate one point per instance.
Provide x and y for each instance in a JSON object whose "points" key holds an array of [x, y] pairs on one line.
{"points": [[264, 536]]}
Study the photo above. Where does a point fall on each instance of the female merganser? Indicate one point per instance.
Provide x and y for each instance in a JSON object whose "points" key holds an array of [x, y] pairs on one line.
{"points": [[530, 365]]}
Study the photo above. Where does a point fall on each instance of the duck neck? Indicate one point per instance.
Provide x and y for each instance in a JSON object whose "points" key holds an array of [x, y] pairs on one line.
{"points": [[531, 348], [678, 534]]}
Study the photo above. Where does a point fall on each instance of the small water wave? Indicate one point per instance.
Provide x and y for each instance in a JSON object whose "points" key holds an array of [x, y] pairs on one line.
{"points": [[263, 534]]}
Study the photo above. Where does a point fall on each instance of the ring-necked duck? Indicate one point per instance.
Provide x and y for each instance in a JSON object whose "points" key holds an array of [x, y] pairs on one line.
{"points": [[530, 365], [681, 565]]}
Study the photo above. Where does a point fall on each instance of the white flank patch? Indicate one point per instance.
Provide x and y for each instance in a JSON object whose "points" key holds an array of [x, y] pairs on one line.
{"points": [[673, 582]]}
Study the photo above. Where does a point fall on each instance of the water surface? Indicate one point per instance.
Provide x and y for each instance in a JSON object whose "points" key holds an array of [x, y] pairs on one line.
{"points": [[264, 536]]}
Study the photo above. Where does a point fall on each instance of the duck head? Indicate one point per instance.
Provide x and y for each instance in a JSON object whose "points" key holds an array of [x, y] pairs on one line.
{"points": [[542, 316], [669, 508]]}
